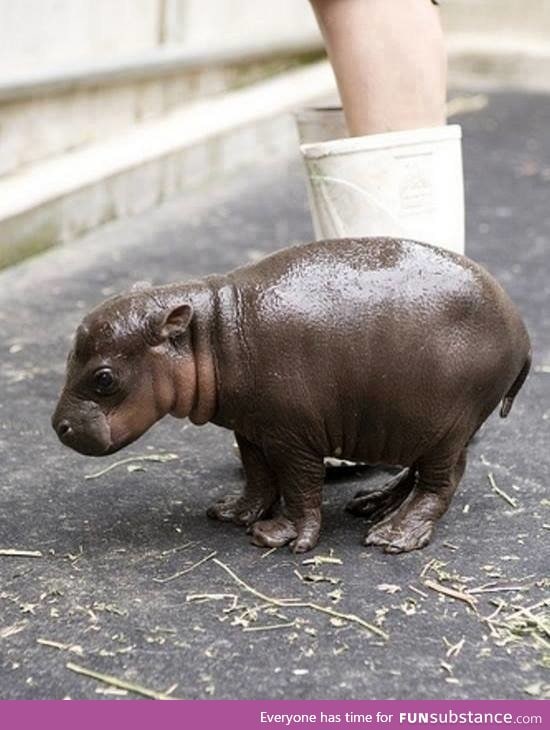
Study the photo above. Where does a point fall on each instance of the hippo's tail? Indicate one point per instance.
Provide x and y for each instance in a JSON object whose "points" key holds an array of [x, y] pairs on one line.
{"points": [[508, 399]]}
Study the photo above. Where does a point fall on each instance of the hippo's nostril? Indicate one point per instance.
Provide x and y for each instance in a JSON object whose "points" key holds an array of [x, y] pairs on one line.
{"points": [[64, 429]]}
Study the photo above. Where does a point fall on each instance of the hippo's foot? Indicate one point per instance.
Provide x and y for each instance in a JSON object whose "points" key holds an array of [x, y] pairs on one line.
{"points": [[410, 527], [399, 535], [239, 509], [377, 504], [301, 535]]}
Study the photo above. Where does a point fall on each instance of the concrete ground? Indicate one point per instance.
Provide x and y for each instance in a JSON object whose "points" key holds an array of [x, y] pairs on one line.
{"points": [[102, 593]]}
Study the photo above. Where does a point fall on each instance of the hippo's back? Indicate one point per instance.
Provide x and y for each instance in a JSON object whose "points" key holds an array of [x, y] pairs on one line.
{"points": [[333, 282]]}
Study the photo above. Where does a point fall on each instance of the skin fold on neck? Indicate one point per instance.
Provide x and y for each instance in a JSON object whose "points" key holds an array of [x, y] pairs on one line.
{"points": [[194, 377]]}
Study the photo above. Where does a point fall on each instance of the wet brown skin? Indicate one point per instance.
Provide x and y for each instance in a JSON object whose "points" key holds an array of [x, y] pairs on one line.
{"points": [[378, 350]]}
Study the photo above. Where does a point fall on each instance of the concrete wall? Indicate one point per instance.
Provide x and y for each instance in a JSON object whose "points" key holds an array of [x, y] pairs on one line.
{"points": [[231, 23], [35, 34], [34, 129], [528, 19], [40, 34]]}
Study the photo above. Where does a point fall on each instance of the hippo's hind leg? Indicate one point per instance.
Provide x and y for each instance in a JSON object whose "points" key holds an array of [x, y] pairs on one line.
{"points": [[410, 527], [260, 493], [300, 477], [376, 504]]}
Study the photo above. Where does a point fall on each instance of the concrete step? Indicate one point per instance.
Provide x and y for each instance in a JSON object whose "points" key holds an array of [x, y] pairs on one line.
{"points": [[62, 198], [52, 111]]}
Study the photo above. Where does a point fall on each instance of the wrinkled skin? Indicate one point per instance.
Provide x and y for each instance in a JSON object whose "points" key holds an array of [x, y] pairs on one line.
{"points": [[376, 350]]}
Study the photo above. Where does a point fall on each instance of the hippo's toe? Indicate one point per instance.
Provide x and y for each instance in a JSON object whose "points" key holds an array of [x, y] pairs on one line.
{"points": [[237, 509], [301, 535], [273, 533], [400, 536]]}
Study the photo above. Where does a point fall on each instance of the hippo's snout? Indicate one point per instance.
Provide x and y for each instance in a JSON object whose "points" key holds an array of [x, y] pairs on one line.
{"points": [[83, 427]]}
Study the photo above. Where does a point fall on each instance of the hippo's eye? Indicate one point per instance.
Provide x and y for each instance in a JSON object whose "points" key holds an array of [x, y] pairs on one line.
{"points": [[104, 382]]}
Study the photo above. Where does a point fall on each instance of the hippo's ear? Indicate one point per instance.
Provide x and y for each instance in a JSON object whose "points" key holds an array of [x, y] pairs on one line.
{"points": [[171, 323]]}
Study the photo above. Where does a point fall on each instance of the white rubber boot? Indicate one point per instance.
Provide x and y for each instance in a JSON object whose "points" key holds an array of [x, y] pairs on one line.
{"points": [[404, 184]]}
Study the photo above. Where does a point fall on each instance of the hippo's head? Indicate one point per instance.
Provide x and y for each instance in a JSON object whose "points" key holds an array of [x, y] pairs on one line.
{"points": [[131, 364]]}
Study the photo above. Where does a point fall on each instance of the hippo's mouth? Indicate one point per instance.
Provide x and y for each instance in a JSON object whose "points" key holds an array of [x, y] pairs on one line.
{"points": [[89, 448], [116, 446], [92, 447]]}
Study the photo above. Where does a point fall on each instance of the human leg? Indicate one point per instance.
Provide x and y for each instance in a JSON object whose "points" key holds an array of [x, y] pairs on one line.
{"points": [[389, 61]]}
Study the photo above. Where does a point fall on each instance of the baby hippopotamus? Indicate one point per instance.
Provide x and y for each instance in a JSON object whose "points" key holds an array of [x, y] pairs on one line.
{"points": [[378, 350]]}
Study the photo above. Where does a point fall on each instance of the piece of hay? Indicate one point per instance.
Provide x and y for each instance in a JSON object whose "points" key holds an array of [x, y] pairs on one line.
{"points": [[120, 683], [501, 493], [452, 593], [186, 570], [159, 458], [298, 603], [14, 553]]}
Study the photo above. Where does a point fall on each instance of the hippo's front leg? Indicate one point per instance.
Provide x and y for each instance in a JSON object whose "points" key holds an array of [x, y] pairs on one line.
{"points": [[260, 493], [300, 476]]}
